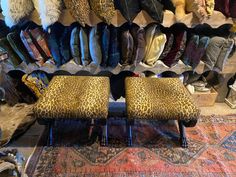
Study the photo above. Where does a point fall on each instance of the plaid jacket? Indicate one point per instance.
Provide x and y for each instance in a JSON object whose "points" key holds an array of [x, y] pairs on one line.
{"points": [[32, 49], [40, 37]]}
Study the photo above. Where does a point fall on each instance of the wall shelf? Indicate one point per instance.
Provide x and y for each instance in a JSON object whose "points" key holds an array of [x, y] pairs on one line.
{"points": [[142, 19], [72, 68]]}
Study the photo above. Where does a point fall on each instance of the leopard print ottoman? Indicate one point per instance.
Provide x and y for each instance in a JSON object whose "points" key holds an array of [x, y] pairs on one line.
{"points": [[164, 98], [160, 99], [74, 97]]}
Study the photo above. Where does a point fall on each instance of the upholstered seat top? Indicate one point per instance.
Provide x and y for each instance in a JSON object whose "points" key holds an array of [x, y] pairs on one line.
{"points": [[75, 97], [159, 98]]}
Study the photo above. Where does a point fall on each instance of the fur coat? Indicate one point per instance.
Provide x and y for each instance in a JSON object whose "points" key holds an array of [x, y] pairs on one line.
{"points": [[15, 10]]}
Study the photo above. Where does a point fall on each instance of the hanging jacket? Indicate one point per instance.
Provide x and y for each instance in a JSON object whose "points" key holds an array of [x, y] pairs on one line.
{"points": [[114, 48], [65, 44], [168, 45], [80, 10], [139, 44], [95, 45], [105, 42], [156, 44], [19, 48], [127, 47], [53, 40], [75, 45], [49, 11], [40, 38], [223, 6], [105, 10], [32, 48], [15, 10], [128, 8], [154, 8], [167, 5], [84, 46]]}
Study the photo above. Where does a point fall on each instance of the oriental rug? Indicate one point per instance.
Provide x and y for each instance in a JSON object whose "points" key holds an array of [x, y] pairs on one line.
{"points": [[156, 151]]}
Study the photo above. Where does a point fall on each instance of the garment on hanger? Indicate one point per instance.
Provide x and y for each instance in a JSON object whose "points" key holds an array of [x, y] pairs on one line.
{"points": [[138, 34], [95, 45], [75, 45], [80, 10], [128, 8], [15, 10], [224, 54], [19, 48], [127, 47], [155, 46], [168, 45], [84, 46], [105, 43], [153, 8], [49, 11], [65, 44], [114, 48], [213, 51], [105, 10], [53, 42]]}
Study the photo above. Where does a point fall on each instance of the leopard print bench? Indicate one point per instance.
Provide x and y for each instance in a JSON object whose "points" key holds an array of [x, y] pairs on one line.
{"points": [[74, 97], [160, 99]]}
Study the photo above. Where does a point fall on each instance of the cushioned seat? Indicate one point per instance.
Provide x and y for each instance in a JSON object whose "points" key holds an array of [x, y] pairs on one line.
{"points": [[160, 99], [74, 97], [164, 98]]}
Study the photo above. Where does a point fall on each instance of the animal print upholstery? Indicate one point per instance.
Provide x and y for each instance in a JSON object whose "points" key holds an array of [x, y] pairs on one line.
{"points": [[159, 98], [75, 97]]}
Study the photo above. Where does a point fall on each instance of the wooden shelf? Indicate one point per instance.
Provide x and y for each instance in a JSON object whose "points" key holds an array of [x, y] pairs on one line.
{"points": [[142, 19], [72, 68]]}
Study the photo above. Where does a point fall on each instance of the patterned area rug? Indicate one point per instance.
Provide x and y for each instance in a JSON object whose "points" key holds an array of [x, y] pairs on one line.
{"points": [[156, 151]]}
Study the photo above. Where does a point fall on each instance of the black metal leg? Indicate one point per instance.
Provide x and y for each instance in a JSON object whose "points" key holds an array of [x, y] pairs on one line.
{"points": [[50, 137], [129, 133], [183, 138]]}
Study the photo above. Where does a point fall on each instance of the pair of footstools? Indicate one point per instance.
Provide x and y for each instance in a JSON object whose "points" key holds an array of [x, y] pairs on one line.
{"points": [[87, 97]]}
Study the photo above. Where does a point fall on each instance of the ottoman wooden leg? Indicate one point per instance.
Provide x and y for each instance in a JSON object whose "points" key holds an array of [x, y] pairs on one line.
{"points": [[129, 132], [183, 138], [50, 135], [104, 141], [91, 129]]}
